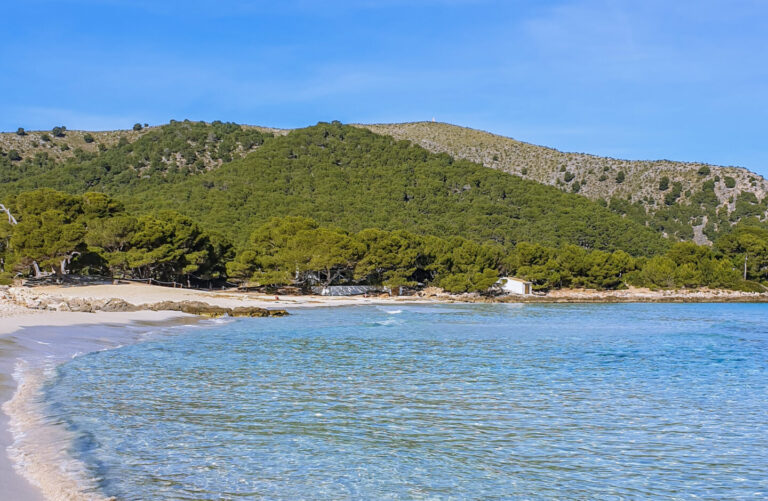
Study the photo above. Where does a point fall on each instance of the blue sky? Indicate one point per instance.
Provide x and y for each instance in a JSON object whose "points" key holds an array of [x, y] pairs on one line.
{"points": [[640, 79]]}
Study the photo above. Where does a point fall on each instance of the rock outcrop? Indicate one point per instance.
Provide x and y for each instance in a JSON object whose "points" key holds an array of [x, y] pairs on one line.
{"points": [[207, 310], [26, 297]]}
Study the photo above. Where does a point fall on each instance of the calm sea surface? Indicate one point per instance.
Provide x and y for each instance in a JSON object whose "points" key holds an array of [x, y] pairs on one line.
{"points": [[432, 402]]}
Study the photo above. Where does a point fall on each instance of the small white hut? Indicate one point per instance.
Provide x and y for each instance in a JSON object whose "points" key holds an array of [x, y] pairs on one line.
{"points": [[512, 285]]}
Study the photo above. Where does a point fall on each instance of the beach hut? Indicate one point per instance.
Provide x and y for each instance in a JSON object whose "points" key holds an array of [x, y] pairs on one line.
{"points": [[512, 285]]}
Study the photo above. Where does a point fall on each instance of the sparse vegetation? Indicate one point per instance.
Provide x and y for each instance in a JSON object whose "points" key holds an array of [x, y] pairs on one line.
{"points": [[665, 209]]}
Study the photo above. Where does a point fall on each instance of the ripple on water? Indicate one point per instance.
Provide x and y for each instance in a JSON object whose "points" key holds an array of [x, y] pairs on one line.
{"points": [[453, 401]]}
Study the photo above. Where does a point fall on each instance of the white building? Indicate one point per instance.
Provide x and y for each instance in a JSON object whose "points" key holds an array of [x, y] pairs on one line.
{"points": [[512, 285]]}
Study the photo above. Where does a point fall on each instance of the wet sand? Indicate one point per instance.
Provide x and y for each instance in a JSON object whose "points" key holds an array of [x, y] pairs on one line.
{"points": [[33, 464]]}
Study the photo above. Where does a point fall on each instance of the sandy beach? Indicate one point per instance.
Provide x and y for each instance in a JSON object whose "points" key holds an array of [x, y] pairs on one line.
{"points": [[31, 344], [141, 294]]}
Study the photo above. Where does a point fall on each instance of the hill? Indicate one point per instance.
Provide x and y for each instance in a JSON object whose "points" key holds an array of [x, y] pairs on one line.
{"points": [[175, 143], [690, 201], [681, 201], [336, 174]]}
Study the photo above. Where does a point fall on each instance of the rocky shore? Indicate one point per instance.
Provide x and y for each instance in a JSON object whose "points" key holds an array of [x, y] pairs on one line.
{"points": [[644, 295], [17, 300], [629, 295], [135, 297]]}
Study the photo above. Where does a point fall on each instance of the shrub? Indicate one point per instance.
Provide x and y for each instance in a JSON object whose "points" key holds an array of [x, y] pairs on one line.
{"points": [[730, 182], [58, 131], [671, 197], [664, 184], [138, 127], [659, 271], [21, 132], [45, 138], [602, 177], [14, 155], [620, 177], [703, 171], [88, 138], [568, 177]]}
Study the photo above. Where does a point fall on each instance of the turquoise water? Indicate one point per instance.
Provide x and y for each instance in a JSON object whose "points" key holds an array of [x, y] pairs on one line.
{"points": [[432, 402]]}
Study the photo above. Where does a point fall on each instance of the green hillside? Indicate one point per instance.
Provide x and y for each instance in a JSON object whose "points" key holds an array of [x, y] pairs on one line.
{"points": [[335, 174], [681, 201]]}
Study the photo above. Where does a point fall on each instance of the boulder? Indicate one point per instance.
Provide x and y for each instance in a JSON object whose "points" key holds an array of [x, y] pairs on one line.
{"points": [[249, 311], [118, 305], [207, 310]]}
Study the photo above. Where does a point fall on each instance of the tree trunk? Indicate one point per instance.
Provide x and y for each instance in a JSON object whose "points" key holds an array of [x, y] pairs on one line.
{"points": [[11, 219], [67, 259], [745, 266]]}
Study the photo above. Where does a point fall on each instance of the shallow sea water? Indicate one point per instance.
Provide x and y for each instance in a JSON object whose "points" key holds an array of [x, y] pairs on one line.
{"points": [[432, 402]]}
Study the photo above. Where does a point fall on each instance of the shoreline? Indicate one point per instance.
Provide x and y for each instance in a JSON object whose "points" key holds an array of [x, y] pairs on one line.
{"points": [[143, 297], [33, 464], [38, 331]]}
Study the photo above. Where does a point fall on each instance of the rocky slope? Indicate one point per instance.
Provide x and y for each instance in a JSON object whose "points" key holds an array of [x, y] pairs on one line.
{"points": [[592, 176]]}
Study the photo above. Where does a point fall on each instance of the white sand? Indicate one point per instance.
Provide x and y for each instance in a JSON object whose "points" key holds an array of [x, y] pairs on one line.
{"points": [[33, 318], [40, 468], [139, 294]]}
